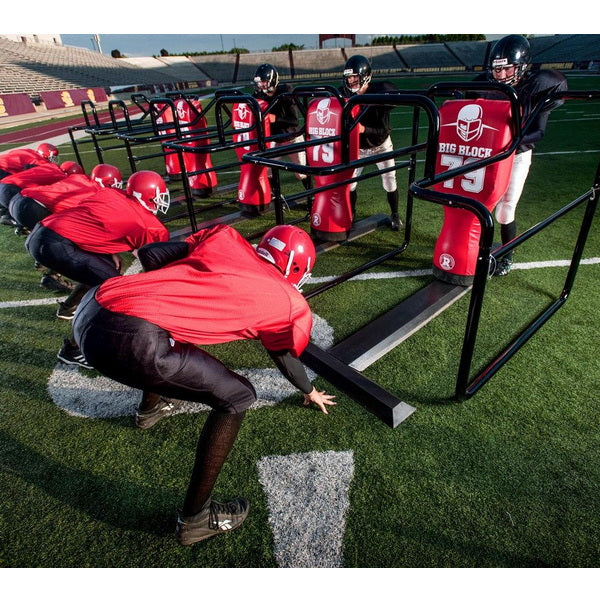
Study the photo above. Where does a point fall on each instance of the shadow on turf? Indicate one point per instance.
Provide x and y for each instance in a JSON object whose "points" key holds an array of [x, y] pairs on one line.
{"points": [[121, 500]]}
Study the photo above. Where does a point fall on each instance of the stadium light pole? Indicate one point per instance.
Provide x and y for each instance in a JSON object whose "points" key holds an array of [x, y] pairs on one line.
{"points": [[97, 41]]}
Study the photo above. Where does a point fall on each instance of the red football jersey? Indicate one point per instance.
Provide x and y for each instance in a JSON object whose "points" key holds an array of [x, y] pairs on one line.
{"points": [[222, 291], [43, 174], [17, 159], [108, 222], [63, 194]]}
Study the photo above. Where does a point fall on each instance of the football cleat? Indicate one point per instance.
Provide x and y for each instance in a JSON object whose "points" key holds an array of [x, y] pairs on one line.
{"points": [[56, 283], [144, 419], [65, 312], [216, 518], [503, 267], [395, 222], [72, 355]]}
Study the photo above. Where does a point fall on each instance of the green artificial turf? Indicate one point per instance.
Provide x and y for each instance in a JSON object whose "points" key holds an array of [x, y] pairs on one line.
{"points": [[507, 478]]}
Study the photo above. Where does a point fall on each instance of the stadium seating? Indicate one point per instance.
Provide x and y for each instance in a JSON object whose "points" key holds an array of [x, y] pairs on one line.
{"points": [[318, 63], [220, 67], [470, 54], [437, 58], [565, 48], [34, 68], [43, 67], [249, 62]]}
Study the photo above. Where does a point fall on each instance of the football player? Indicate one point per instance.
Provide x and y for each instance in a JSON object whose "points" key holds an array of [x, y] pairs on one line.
{"points": [[143, 330], [509, 63], [375, 130], [24, 167], [36, 202], [84, 242], [18, 159], [282, 110]]}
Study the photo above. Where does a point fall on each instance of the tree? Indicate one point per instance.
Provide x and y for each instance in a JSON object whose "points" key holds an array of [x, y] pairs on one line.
{"points": [[286, 47]]}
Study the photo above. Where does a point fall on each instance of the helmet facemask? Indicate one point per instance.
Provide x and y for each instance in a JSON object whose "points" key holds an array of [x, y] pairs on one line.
{"points": [[107, 176], [512, 73], [104, 183], [266, 79], [161, 201], [306, 275], [291, 250], [358, 81], [49, 152], [509, 59]]}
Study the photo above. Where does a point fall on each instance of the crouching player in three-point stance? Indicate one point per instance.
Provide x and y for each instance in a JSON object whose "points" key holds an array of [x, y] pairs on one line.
{"points": [[143, 330]]}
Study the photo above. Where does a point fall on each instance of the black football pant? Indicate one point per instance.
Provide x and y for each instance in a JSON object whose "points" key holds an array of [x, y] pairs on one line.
{"points": [[142, 355], [7, 191], [26, 211], [56, 252]]}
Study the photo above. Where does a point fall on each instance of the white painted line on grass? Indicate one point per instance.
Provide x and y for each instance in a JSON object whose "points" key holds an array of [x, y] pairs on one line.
{"points": [[362, 277], [425, 272], [308, 498]]}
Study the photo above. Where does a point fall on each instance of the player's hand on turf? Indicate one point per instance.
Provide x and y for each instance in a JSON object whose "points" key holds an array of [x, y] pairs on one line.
{"points": [[118, 262], [321, 399]]}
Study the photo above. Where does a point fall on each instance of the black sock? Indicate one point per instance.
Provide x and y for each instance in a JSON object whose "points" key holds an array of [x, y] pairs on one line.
{"points": [[149, 401], [507, 233], [74, 298], [214, 444], [353, 199], [392, 198]]}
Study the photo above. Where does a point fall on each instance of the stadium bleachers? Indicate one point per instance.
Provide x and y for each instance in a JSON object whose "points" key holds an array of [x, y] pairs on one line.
{"points": [[249, 62], [220, 67], [33, 68], [43, 67], [471, 54], [383, 58], [318, 62], [436, 57], [183, 67], [163, 70], [566, 48]]}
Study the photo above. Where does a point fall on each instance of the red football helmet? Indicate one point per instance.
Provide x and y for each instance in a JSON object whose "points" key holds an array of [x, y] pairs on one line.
{"points": [[107, 176], [291, 250], [70, 167], [48, 151], [150, 190]]}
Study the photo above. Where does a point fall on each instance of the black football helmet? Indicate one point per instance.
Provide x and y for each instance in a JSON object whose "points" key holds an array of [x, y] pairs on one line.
{"points": [[357, 66], [266, 78], [509, 59]]}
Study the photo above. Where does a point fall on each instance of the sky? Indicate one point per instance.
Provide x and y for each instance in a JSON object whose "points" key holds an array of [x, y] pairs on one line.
{"points": [[143, 30], [132, 45]]}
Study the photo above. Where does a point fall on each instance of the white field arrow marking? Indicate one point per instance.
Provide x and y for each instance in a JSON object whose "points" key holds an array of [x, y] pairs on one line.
{"points": [[308, 498]]}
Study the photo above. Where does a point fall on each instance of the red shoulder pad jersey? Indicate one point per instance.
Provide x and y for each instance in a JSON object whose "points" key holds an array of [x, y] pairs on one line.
{"points": [[40, 175], [108, 222], [63, 194], [16, 160], [222, 291]]}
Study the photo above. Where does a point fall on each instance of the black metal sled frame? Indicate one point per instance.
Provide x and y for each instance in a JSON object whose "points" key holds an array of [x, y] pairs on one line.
{"points": [[119, 121], [341, 363], [173, 135], [374, 397], [467, 386]]}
